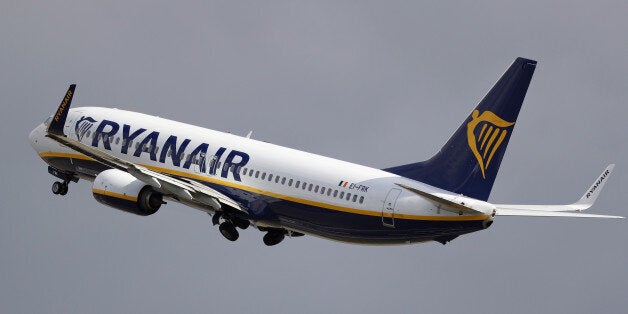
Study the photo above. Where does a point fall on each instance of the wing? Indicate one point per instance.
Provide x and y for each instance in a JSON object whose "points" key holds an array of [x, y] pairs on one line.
{"points": [[570, 210], [183, 189]]}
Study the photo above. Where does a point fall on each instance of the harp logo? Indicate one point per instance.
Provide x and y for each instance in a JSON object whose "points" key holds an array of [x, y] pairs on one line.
{"points": [[82, 126], [485, 133]]}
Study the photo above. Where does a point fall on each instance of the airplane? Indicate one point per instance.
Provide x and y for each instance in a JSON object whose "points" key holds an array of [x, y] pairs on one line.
{"points": [[137, 162]]}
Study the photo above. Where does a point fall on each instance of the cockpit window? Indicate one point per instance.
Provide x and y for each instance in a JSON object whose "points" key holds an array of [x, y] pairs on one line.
{"points": [[47, 122]]}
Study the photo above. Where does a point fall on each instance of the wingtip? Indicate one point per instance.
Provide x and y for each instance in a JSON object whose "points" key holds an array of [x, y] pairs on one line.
{"points": [[591, 194]]}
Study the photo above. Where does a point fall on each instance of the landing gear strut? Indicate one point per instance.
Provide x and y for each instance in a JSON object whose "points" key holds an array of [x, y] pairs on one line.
{"points": [[61, 187]]}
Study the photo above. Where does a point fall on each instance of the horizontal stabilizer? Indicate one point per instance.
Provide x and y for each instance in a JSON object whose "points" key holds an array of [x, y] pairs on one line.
{"points": [[449, 201]]}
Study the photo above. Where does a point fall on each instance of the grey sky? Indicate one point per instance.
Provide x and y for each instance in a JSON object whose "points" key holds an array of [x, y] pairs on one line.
{"points": [[379, 83]]}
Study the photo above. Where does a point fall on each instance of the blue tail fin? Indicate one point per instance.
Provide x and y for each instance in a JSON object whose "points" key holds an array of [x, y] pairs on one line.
{"points": [[469, 161]]}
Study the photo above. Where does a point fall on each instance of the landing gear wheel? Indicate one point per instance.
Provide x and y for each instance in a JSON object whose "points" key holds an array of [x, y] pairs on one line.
{"points": [[64, 189], [216, 219], [56, 187], [228, 230], [60, 188], [274, 237], [241, 223]]}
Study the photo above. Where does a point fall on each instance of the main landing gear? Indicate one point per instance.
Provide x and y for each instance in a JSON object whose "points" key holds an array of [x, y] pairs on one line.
{"points": [[228, 226], [274, 236], [61, 187]]}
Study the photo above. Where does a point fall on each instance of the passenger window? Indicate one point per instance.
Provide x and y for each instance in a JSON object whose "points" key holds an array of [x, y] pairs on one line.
{"points": [[283, 180], [263, 175], [290, 182], [257, 174], [361, 199], [310, 187], [89, 134], [316, 189], [270, 177], [355, 197], [329, 192], [348, 196], [250, 172], [335, 193], [342, 194], [296, 185], [117, 140], [277, 179], [304, 185], [244, 171], [322, 190]]}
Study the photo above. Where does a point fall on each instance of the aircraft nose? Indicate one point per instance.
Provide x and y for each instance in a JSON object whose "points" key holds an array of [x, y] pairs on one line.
{"points": [[35, 137]]}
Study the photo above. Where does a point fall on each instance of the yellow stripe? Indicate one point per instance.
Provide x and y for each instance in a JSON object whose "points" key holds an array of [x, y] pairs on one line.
{"points": [[64, 155], [482, 131], [116, 195], [288, 198], [499, 142], [490, 129], [490, 142]]}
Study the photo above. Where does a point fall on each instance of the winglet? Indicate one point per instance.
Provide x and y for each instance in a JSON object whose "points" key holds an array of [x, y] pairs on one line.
{"points": [[591, 194], [58, 121]]}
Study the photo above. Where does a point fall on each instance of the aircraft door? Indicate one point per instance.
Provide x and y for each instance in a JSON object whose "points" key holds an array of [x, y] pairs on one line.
{"points": [[388, 210]]}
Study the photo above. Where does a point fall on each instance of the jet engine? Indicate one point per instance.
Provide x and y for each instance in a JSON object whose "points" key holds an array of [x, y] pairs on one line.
{"points": [[122, 191]]}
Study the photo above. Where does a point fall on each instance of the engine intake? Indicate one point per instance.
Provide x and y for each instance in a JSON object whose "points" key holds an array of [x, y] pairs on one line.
{"points": [[122, 191]]}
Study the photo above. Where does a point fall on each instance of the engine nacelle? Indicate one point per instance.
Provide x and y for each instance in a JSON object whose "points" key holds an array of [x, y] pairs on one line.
{"points": [[122, 191]]}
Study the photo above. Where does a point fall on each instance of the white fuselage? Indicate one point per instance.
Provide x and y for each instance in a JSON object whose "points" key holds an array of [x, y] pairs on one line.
{"points": [[250, 170]]}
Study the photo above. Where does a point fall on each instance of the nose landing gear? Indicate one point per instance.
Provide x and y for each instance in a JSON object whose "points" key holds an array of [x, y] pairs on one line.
{"points": [[60, 188]]}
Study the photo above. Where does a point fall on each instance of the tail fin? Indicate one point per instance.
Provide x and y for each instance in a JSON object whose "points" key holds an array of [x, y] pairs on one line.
{"points": [[469, 161]]}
